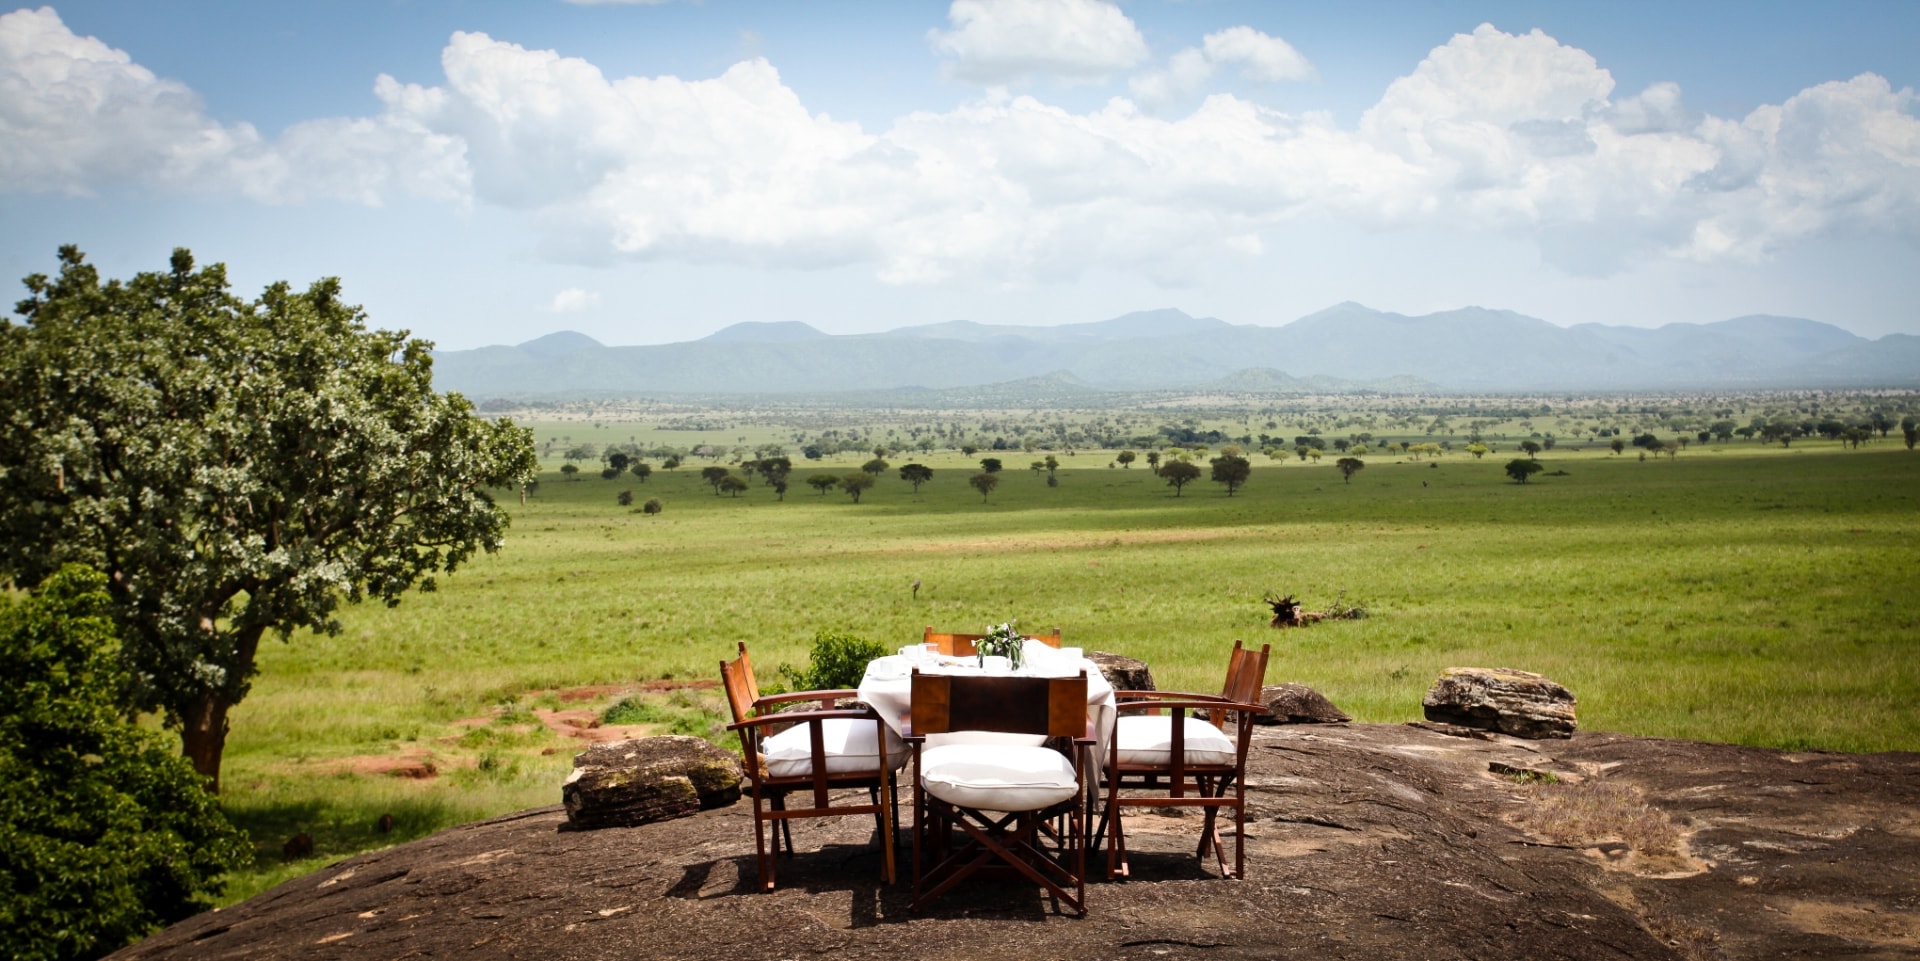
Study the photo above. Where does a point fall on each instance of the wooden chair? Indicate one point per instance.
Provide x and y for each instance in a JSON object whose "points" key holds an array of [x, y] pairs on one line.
{"points": [[1174, 747], [961, 645], [809, 755], [1010, 802]]}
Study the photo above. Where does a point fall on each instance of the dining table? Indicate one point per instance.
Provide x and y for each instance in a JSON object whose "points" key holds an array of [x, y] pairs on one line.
{"points": [[887, 686]]}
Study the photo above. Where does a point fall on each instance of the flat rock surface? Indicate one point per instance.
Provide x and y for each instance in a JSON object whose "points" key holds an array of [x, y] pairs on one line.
{"points": [[1365, 841]]}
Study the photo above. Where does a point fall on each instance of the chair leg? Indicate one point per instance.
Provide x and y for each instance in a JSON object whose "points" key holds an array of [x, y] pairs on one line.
{"points": [[762, 863], [1115, 833], [887, 869]]}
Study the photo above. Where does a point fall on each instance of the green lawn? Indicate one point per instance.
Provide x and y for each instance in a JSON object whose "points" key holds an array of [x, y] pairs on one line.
{"points": [[1734, 593]]}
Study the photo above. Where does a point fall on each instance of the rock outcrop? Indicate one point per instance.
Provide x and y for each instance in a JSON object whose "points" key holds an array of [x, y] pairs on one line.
{"points": [[1297, 704], [1124, 673], [627, 783], [1520, 703]]}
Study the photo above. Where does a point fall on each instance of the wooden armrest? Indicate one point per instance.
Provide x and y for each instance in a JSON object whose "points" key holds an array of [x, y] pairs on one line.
{"points": [[802, 717], [1162, 695], [792, 696], [1196, 704]]}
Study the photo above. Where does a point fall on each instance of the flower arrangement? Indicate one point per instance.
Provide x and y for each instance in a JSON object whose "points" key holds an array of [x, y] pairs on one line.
{"points": [[1002, 640]]}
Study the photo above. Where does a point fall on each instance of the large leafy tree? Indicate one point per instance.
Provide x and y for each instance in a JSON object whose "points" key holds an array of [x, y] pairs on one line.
{"points": [[105, 834], [1179, 473], [234, 468], [1231, 470]]}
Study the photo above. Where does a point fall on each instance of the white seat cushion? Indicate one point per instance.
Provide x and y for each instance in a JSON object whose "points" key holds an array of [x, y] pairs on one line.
{"points": [[1148, 739], [997, 777], [987, 737], [849, 744]]}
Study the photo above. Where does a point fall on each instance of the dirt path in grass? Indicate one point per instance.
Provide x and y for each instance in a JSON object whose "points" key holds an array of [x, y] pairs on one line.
{"points": [[1375, 842]]}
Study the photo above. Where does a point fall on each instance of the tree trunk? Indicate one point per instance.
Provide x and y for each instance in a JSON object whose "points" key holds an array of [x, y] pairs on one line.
{"points": [[203, 736]]}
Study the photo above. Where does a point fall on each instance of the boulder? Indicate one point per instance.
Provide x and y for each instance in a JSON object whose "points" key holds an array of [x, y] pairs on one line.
{"points": [[1297, 704], [623, 783], [1124, 673], [1520, 703]]}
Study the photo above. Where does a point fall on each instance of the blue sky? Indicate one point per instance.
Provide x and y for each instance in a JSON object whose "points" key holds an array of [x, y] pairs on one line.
{"points": [[487, 172]]}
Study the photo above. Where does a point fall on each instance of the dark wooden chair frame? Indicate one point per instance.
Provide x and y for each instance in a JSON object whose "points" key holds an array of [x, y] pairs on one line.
{"points": [[757, 718], [1047, 846], [962, 645], [1180, 783]]}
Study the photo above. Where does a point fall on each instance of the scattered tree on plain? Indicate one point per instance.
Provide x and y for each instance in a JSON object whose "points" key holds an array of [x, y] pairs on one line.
{"points": [[856, 483], [1126, 458], [1153, 461], [1530, 448], [1179, 473], [1231, 470], [874, 467], [916, 474], [234, 468], [642, 470], [652, 506], [713, 475], [1617, 445], [1520, 469], [823, 482], [990, 465], [625, 498], [984, 482], [569, 471], [1349, 466]]}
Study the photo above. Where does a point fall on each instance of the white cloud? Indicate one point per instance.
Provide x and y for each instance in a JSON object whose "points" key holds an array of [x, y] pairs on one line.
{"points": [[571, 300], [996, 42], [1491, 132], [77, 116], [1261, 57]]}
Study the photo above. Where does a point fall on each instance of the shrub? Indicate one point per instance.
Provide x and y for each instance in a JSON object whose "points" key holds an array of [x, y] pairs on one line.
{"points": [[837, 661], [105, 833], [652, 506]]}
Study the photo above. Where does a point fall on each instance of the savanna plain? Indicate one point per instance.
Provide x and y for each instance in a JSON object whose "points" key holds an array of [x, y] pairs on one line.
{"points": [[1731, 590]]}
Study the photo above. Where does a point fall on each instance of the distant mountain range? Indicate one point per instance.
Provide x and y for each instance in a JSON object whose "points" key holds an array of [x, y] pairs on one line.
{"points": [[1348, 347]]}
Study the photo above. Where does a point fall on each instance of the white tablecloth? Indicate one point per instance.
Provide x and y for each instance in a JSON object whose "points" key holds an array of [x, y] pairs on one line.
{"points": [[888, 686]]}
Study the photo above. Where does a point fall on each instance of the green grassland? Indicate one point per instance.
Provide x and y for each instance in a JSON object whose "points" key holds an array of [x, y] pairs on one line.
{"points": [[1734, 592]]}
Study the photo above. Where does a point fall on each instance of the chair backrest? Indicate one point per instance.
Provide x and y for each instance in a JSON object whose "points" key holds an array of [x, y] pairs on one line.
{"points": [[962, 645], [1246, 674], [742, 689], [1053, 706]]}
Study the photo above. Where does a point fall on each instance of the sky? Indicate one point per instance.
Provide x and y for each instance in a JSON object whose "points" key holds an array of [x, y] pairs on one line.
{"points": [[489, 171]]}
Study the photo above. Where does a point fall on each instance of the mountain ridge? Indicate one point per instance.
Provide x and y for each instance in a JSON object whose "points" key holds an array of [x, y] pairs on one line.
{"points": [[1344, 347]]}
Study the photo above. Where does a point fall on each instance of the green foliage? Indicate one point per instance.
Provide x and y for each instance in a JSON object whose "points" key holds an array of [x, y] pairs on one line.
{"points": [[233, 467], [836, 662], [1179, 473], [1231, 470], [984, 482], [105, 834], [823, 482], [856, 484], [672, 714], [652, 506], [916, 474], [1349, 466], [1521, 468]]}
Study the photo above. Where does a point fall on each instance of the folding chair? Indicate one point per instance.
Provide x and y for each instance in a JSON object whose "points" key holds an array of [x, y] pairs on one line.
{"points": [[1019, 808], [1185, 759], [809, 755]]}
